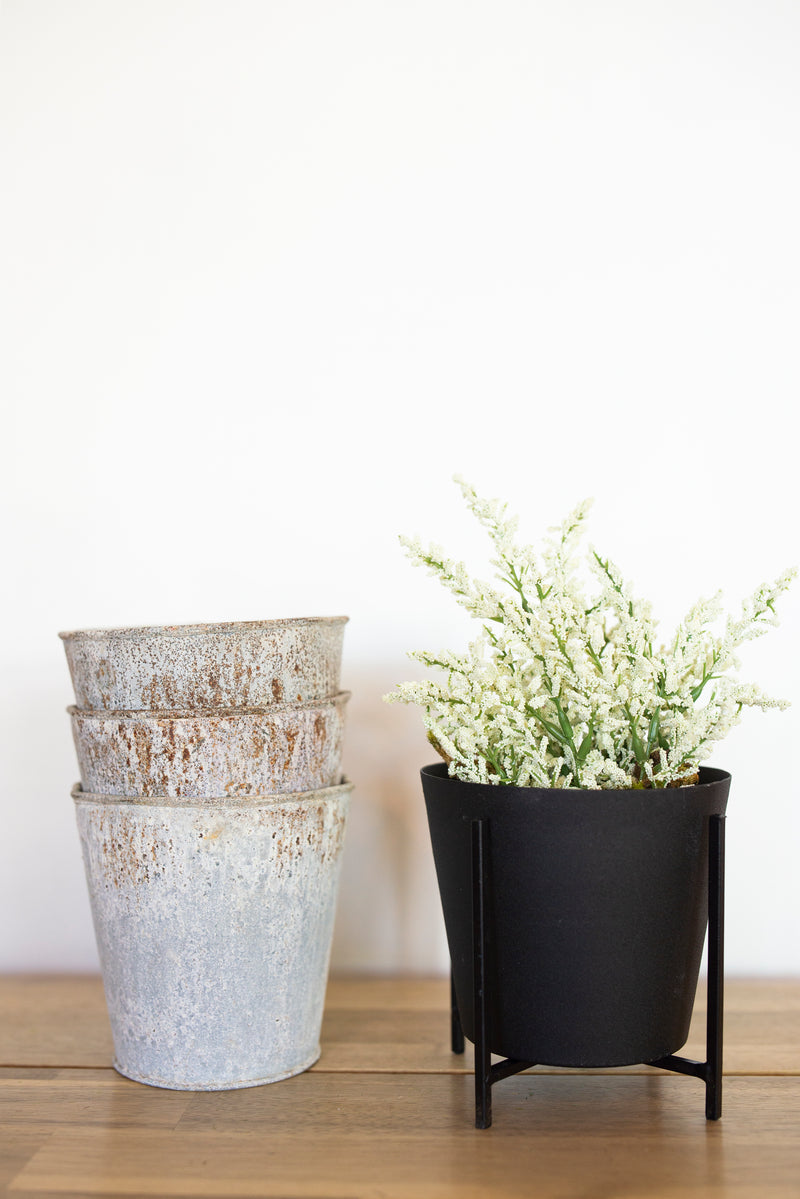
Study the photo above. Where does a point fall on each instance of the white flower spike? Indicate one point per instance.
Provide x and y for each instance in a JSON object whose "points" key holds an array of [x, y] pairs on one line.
{"points": [[566, 690]]}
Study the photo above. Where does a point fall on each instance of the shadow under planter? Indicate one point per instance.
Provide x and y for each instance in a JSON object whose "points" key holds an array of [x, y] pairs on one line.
{"points": [[576, 920]]}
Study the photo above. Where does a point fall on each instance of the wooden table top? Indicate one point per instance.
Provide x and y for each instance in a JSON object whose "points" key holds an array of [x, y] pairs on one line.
{"points": [[387, 1112]]}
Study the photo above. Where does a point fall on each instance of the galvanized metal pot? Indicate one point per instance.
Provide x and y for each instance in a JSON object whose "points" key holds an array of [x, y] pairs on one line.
{"points": [[596, 913], [214, 921], [283, 748], [244, 665]]}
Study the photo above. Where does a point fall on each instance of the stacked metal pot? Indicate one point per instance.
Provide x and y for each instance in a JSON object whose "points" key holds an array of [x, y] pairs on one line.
{"points": [[211, 812]]}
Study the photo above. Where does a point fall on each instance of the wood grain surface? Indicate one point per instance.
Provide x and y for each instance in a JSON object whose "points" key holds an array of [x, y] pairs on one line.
{"points": [[387, 1111]]}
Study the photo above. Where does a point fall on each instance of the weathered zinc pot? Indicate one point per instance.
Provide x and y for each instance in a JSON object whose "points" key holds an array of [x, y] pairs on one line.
{"points": [[596, 911], [283, 748], [243, 665], [213, 921]]}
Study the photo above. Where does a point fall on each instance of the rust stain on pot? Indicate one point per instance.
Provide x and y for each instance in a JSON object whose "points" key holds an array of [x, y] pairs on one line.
{"points": [[291, 739], [286, 748], [129, 853], [312, 828], [249, 664], [134, 849]]}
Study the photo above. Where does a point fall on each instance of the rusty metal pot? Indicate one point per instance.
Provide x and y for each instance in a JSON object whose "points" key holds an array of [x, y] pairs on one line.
{"points": [[275, 750], [244, 665], [214, 921]]}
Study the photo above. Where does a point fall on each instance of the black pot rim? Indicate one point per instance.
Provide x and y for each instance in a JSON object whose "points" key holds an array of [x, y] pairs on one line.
{"points": [[709, 776]]}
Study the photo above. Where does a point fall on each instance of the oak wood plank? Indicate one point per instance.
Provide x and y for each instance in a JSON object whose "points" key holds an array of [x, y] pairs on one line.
{"points": [[361, 1137], [17, 1146], [411, 992], [375, 1024], [88, 1097], [53, 1020], [372, 1040]]}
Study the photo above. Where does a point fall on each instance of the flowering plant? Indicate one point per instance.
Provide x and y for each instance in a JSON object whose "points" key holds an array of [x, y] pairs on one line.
{"points": [[561, 689]]}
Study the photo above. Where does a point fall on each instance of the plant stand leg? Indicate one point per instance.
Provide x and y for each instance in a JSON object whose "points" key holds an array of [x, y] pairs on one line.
{"points": [[710, 1071], [486, 1075], [456, 1031], [716, 971], [483, 1057]]}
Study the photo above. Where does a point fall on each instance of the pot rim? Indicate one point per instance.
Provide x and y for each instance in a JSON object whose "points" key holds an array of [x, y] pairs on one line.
{"points": [[335, 791], [176, 631], [150, 714], [709, 776]]}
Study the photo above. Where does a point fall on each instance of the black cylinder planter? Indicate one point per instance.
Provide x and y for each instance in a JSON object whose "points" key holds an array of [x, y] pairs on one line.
{"points": [[596, 913]]}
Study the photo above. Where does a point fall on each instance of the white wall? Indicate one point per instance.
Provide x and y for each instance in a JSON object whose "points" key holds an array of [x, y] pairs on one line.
{"points": [[273, 271]]}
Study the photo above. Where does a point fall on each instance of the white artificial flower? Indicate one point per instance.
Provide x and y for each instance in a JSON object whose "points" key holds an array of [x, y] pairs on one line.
{"points": [[561, 689]]}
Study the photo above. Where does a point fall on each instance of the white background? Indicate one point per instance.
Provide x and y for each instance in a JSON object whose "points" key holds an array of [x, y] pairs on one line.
{"points": [[273, 271]]}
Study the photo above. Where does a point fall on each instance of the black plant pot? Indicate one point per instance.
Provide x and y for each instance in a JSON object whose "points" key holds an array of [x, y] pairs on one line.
{"points": [[595, 913]]}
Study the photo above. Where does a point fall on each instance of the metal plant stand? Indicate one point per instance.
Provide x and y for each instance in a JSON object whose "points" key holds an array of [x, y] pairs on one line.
{"points": [[486, 1074]]}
